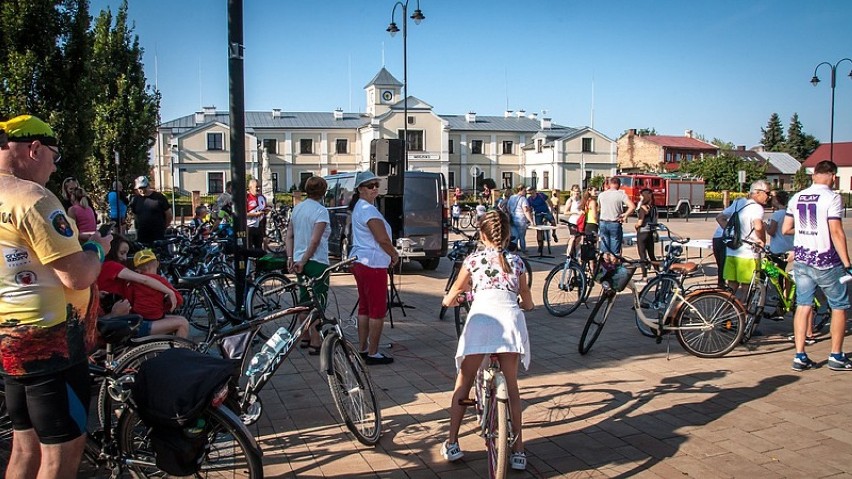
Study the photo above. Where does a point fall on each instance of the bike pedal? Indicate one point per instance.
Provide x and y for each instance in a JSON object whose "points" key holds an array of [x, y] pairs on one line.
{"points": [[468, 402]]}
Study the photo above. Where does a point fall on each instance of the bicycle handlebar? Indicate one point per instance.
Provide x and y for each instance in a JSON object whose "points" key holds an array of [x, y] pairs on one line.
{"points": [[673, 237]]}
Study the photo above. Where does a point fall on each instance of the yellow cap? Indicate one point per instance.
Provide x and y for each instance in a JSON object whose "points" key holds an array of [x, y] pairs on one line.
{"points": [[25, 128], [142, 257]]}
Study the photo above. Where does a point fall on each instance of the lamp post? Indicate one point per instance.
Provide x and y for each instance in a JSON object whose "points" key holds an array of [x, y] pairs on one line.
{"points": [[174, 157], [418, 17], [815, 82]]}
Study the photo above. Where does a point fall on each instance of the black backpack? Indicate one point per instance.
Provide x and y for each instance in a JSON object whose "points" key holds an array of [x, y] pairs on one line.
{"points": [[732, 235]]}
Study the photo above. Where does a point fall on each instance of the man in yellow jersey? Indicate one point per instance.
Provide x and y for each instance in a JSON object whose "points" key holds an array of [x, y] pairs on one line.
{"points": [[45, 303]]}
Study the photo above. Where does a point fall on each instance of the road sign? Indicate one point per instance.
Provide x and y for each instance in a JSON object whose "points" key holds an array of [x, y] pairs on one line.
{"points": [[742, 176], [475, 171]]}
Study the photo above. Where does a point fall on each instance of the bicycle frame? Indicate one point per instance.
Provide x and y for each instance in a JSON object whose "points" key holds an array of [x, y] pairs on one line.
{"points": [[489, 393], [678, 300]]}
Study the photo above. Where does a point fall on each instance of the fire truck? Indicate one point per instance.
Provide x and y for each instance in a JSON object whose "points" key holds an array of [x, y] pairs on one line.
{"points": [[672, 192]]}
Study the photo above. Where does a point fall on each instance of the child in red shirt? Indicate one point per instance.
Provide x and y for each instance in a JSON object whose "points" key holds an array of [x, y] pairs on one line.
{"points": [[151, 304]]}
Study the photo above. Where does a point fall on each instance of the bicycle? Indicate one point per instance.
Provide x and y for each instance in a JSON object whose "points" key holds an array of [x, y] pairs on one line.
{"points": [[708, 322], [124, 445], [348, 379], [770, 280], [491, 403], [568, 285]]}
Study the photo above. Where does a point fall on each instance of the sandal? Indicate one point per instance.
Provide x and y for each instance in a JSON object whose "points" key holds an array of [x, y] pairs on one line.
{"points": [[519, 461]]}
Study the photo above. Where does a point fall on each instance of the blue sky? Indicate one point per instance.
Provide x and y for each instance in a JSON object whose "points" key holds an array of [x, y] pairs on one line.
{"points": [[719, 68]]}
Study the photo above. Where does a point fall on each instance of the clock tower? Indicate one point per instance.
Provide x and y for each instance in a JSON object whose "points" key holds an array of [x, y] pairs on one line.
{"points": [[382, 92]]}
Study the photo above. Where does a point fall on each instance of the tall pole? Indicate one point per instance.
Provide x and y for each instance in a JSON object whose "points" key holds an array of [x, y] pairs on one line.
{"points": [[417, 16], [118, 218], [238, 141], [815, 81]]}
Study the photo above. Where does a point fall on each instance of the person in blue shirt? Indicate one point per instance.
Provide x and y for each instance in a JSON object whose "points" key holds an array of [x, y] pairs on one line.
{"points": [[541, 208], [117, 201]]}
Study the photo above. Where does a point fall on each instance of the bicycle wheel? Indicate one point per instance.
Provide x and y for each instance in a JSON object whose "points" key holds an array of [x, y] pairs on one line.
{"points": [[461, 320], [272, 292], [654, 299], [754, 305], [497, 437], [129, 361], [198, 310], [450, 280], [529, 271], [596, 321], [710, 324], [563, 289], [230, 451], [352, 389]]}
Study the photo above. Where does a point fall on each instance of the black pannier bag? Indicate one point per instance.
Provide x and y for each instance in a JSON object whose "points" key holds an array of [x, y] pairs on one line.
{"points": [[171, 391]]}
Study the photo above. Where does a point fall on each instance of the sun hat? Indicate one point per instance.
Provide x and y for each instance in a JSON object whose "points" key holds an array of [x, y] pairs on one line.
{"points": [[364, 176], [24, 128], [141, 182], [143, 256]]}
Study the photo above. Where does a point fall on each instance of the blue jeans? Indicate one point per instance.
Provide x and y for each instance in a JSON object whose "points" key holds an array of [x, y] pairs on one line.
{"points": [[808, 278], [519, 232], [611, 236]]}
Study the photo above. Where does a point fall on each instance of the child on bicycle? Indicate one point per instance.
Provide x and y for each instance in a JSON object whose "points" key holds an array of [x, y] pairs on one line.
{"points": [[495, 325], [151, 303]]}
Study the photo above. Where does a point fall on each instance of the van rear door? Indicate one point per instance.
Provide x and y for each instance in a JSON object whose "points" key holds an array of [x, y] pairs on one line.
{"points": [[423, 220]]}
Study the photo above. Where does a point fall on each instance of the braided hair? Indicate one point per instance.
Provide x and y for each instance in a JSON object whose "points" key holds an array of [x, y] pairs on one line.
{"points": [[495, 228]]}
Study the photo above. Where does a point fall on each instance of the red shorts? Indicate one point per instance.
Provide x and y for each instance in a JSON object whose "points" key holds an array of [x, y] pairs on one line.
{"points": [[372, 291]]}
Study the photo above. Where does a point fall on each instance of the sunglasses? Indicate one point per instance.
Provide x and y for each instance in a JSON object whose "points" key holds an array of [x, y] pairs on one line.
{"points": [[370, 186], [56, 155]]}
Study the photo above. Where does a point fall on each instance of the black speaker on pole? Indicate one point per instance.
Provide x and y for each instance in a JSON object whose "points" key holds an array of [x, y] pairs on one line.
{"points": [[386, 161]]}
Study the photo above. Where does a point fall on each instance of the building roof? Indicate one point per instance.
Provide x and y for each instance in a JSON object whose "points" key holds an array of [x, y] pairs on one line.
{"points": [[383, 78], [842, 154], [501, 123], [747, 155], [287, 120], [783, 162], [683, 142]]}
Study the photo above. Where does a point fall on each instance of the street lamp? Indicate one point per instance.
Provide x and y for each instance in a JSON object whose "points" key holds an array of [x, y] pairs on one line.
{"points": [[815, 82], [418, 17], [174, 157]]}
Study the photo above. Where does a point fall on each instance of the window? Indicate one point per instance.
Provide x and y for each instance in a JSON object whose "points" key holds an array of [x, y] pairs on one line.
{"points": [[538, 144], [215, 182], [341, 146], [678, 157], [275, 188], [450, 149], [507, 180], [545, 180], [534, 180], [415, 139], [303, 178], [689, 157], [587, 145], [410, 120], [215, 141], [476, 147], [306, 146], [668, 157], [507, 147], [452, 179], [271, 146]]}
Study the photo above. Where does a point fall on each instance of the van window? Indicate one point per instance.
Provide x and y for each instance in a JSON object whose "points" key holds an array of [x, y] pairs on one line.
{"points": [[331, 192], [345, 190]]}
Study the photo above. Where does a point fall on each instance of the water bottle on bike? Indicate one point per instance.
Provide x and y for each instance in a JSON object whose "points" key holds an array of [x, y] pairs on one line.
{"points": [[275, 344]]}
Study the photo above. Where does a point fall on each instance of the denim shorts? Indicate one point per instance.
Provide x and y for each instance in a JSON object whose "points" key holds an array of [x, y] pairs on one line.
{"points": [[828, 280]]}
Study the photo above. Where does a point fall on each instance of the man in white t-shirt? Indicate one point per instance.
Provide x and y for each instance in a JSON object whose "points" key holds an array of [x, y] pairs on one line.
{"points": [[520, 216], [741, 263], [821, 260], [720, 251]]}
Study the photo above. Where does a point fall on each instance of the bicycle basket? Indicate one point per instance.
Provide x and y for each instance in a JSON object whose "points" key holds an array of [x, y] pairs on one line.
{"points": [[619, 277]]}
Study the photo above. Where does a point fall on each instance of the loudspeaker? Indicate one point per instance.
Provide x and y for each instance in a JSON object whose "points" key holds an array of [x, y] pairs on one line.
{"points": [[386, 161]]}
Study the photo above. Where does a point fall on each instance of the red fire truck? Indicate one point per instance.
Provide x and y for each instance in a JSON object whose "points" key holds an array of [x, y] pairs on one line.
{"points": [[675, 193]]}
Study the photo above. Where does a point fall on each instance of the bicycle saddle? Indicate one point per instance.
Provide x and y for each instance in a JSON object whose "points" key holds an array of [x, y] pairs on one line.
{"points": [[684, 268], [119, 329]]}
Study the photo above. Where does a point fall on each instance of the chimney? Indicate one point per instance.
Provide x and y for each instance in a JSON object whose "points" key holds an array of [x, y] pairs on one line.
{"points": [[522, 113], [471, 117], [338, 114], [199, 117], [631, 132], [741, 148], [688, 133], [276, 113], [545, 123], [209, 110], [507, 114], [532, 116]]}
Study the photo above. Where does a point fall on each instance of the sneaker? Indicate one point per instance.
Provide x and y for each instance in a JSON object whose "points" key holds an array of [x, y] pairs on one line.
{"points": [[802, 364], [842, 364], [451, 451], [808, 341], [381, 359], [555, 239], [519, 461]]}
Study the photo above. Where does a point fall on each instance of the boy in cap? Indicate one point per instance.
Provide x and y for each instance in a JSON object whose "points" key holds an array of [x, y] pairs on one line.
{"points": [[150, 303]]}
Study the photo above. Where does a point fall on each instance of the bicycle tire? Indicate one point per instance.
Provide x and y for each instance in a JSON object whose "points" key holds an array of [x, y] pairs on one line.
{"points": [[723, 329], [563, 283], [459, 320], [497, 439], [529, 270], [352, 389], [654, 299], [454, 272], [231, 450], [754, 306], [271, 293], [129, 361], [595, 325], [198, 311]]}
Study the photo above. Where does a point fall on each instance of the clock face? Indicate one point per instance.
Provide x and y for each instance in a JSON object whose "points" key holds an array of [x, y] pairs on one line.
{"points": [[387, 96]]}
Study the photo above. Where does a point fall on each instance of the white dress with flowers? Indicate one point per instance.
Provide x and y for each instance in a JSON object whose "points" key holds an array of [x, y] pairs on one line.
{"points": [[495, 323]]}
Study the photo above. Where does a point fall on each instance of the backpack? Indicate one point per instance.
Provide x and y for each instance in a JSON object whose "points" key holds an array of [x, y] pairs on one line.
{"points": [[732, 235]]}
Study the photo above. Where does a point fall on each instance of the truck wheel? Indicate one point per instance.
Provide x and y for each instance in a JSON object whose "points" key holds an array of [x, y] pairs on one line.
{"points": [[683, 210], [430, 264]]}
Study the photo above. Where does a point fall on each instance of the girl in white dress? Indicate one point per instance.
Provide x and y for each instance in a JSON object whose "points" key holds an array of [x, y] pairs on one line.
{"points": [[495, 325]]}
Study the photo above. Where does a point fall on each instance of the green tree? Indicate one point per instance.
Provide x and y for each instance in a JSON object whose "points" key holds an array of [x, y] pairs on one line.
{"points": [[597, 181], [810, 144], [773, 134], [795, 144], [722, 172], [643, 132], [126, 108], [722, 144], [801, 179]]}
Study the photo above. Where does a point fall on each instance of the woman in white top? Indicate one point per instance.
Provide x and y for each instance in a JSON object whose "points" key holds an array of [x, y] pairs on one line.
{"points": [[572, 209], [371, 244]]}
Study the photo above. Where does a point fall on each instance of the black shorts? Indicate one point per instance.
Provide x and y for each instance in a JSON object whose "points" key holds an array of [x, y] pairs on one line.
{"points": [[55, 405], [254, 235]]}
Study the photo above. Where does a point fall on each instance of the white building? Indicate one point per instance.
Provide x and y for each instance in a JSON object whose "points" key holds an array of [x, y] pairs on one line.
{"points": [[287, 147]]}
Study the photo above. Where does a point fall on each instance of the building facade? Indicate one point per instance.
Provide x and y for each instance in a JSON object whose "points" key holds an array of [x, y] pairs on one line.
{"points": [[284, 148], [659, 153]]}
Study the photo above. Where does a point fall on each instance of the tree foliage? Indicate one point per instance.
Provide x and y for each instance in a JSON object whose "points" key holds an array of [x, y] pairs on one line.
{"points": [[88, 84], [773, 134], [722, 172], [801, 179], [722, 144], [643, 132]]}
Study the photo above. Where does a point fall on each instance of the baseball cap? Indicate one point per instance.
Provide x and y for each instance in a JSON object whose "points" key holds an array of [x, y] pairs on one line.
{"points": [[25, 128], [141, 182], [143, 256], [363, 177]]}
